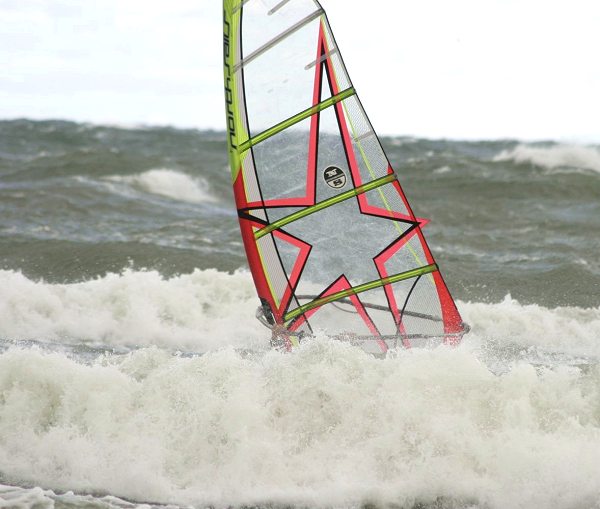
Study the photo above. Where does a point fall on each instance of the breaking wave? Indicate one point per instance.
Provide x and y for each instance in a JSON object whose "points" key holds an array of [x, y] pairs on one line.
{"points": [[326, 426], [209, 309], [170, 183], [135, 308], [556, 156]]}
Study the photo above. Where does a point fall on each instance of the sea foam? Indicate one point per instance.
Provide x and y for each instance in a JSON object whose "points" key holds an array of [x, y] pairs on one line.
{"points": [[556, 156], [325, 426], [170, 183], [196, 312], [209, 309]]}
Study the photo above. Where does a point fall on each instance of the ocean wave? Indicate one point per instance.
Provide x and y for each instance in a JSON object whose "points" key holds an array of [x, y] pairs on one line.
{"points": [[326, 426], [555, 156], [14, 497], [563, 334], [196, 312], [208, 309], [170, 183]]}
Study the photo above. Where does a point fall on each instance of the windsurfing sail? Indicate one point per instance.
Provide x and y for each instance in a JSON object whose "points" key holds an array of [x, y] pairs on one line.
{"points": [[330, 237]]}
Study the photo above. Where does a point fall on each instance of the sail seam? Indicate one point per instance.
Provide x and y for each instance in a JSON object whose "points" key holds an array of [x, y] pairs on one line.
{"points": [[277, 7], [364, 136], [321, 60], [323, 205], [360, 289], [303, 115], [276, 40]]}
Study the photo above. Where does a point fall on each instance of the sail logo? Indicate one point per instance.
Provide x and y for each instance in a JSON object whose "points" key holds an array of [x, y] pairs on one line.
{"points": [[228, 81], [335, 177]]}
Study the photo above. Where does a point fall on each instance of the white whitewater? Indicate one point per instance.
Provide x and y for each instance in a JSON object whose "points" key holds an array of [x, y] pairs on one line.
{"points": [[171, 184], [500, 421]]}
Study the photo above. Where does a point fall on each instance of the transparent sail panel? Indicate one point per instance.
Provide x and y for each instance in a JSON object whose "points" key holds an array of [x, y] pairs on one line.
{"points": [[277, 83], [282, 163], [251, 187], [276, 277], [423, 314], [262, 23], [407, 253], [370, 157], [388, 201], [366, 314]]}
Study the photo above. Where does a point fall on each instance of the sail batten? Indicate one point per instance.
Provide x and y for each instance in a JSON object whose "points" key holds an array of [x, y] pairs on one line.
{"points": [[276, 40], [299, 117], [327, 55], [317, 207], [360, 289], [277, 7]]}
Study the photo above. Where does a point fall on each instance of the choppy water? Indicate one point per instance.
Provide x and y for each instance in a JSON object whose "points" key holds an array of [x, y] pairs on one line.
{"points": [[121, 263]]}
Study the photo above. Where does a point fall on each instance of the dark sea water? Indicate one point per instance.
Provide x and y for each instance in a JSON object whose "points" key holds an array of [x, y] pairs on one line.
{"points": [[121, 263]]}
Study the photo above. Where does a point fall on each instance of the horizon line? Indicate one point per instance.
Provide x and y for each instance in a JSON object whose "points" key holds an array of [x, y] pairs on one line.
{"points": [[578, 140]]}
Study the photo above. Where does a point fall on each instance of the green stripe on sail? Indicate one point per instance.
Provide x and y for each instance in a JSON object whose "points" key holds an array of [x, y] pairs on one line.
{"points": [[303, 115], [323, 205], [361, 288]]}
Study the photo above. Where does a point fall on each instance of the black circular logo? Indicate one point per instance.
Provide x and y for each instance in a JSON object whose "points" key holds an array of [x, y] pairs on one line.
{"points": [[335, 177]]}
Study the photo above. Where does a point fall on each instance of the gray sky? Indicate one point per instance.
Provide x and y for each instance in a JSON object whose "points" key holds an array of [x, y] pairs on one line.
{"points": [[435, 68]]}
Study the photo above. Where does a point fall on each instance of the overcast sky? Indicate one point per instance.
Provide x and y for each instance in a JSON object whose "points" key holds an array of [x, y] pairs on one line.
{"points": [[472, 69]]}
